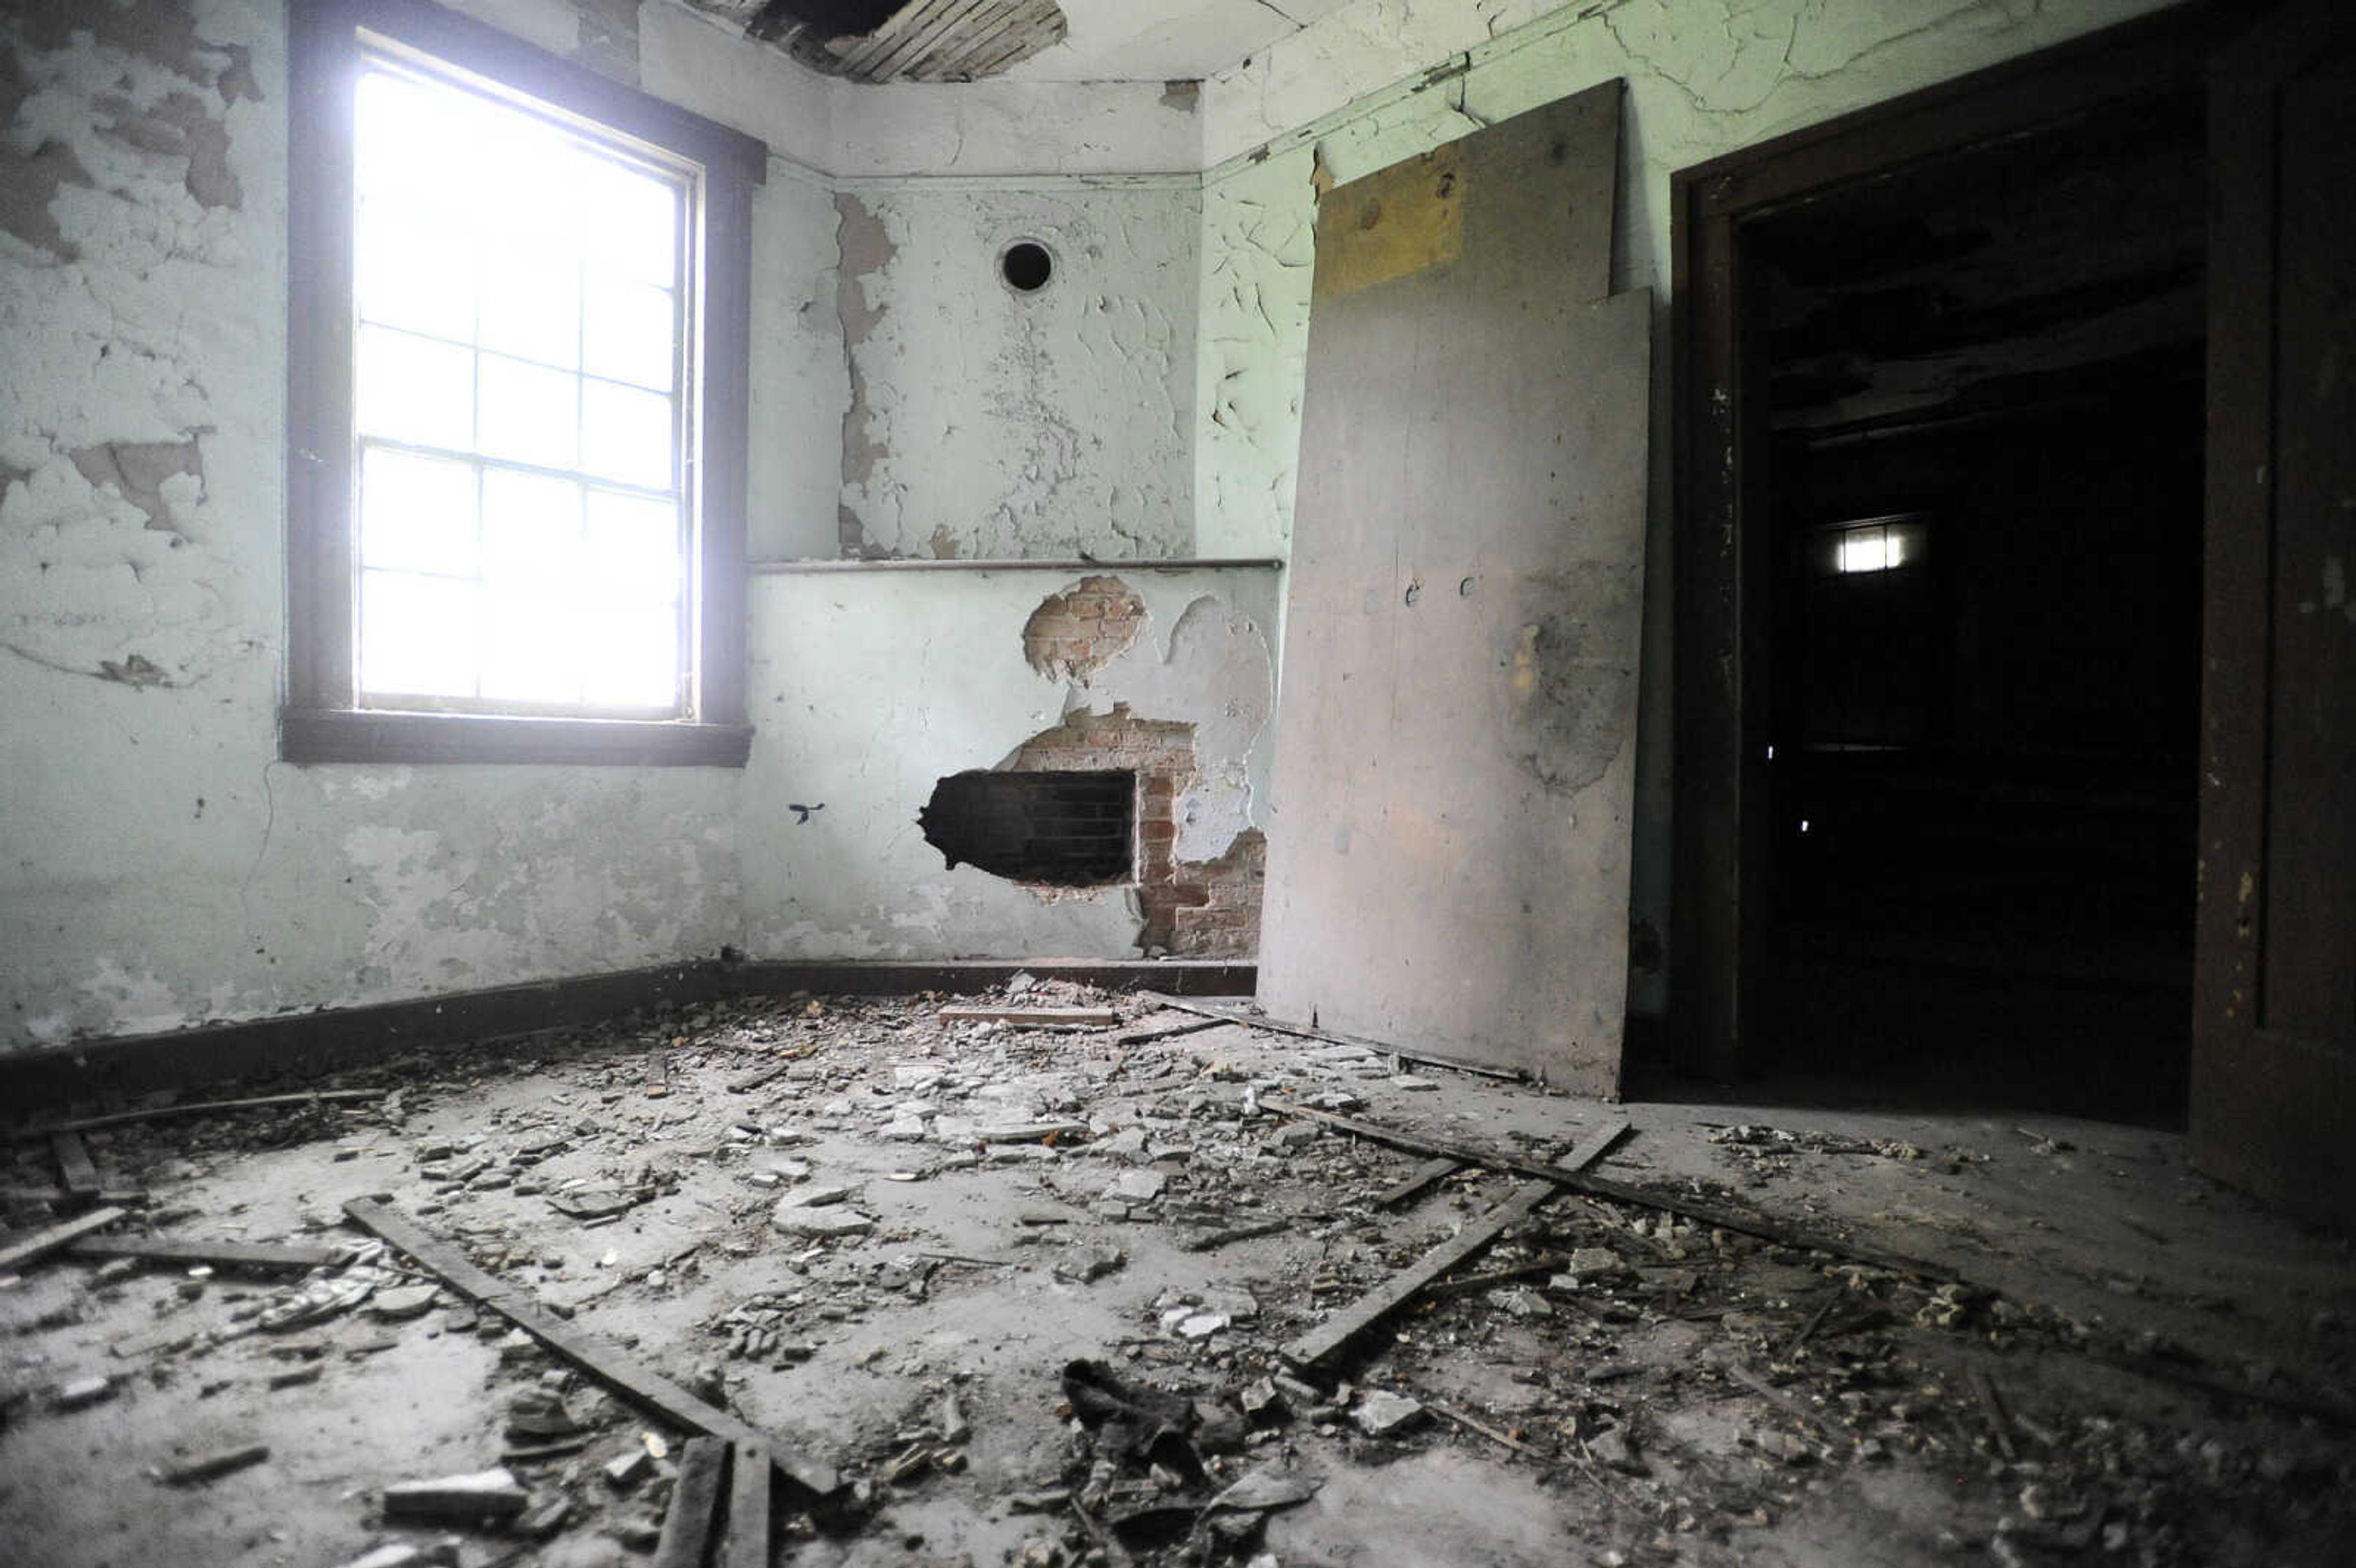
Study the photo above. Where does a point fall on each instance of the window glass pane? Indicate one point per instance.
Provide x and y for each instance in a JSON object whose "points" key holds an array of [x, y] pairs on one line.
{"points": [[630, 333], [532, 552], [633, 661], [633, 550], [411, 139], [539, 172], [416, 389], [415, 269], [417, 635], [519, 287], [629, 221], [529, 414], [531, 532], [417, 513], [625, 434], [531, 304], [532, 650]]}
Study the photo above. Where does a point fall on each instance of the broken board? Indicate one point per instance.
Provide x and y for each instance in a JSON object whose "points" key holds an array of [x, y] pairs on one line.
{"points": [[1455, 751]]}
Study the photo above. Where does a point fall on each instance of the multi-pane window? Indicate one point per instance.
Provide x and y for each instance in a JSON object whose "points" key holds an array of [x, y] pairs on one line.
{"points": [[519, 329], [522, 293]]}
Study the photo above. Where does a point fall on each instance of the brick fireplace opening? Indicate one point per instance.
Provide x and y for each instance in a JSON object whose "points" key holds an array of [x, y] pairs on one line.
{"points": [[1060, 828], [992, 819]]}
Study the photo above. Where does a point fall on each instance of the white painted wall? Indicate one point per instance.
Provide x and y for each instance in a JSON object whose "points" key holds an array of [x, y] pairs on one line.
{"points": [[985, 424], [158, 867]]}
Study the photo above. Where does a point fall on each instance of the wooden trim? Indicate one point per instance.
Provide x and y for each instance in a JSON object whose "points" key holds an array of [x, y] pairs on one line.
{"points": [[306, 1045], [2131, 62], [320, 722], [723, 411], [309, 1044], [883, 978], [2271, 1108], [1075, 564], [1718, 866], [319, 356], [527, 68], [360, 735]]}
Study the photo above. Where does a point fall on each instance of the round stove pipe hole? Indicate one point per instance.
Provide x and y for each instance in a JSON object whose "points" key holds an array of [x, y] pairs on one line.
{"points": [[1025, 266]]}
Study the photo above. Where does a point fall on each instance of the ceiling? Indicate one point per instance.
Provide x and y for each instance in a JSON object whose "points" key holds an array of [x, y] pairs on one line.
{"points": [[1033, 40]]}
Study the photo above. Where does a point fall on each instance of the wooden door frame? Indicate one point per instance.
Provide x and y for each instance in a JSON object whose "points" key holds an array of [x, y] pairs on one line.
{"points": [[2271, 1111], [1721, 693]]}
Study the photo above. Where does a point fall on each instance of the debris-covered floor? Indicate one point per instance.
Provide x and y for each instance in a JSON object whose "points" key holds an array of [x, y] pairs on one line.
{"points": [[1068, 1293]]}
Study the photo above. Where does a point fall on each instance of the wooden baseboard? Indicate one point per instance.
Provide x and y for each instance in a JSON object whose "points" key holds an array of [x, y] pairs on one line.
{"points": [[890, 977], [307, 1044]]}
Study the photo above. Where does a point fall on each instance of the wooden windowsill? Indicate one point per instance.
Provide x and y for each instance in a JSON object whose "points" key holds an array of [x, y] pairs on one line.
{"points": [[360, 735]]}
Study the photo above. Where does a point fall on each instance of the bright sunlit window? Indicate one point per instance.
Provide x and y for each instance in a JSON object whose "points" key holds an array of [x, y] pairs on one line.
{"points": [[1870, 549], [1877, 544], [523, 290]]}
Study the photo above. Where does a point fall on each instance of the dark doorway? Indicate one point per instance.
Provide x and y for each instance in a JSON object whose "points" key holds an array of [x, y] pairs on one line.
{"points": [[1940, 588], [1982, 402]]}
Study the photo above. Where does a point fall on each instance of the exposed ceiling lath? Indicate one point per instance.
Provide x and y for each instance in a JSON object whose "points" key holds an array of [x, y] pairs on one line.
{"points": [[921, 40]]}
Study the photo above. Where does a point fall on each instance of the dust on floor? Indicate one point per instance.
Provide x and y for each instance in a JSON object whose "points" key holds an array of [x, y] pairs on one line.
{"points": [[1028, 1290]]}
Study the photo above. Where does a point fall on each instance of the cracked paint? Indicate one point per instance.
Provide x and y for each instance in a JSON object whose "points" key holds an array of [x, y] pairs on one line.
{"points": [[985, 424], [1701, 81], [143, 158], [127, 258], [864, 253]]}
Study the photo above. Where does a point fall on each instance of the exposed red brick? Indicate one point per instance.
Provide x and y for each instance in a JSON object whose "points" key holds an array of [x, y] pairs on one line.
{"points": [[1075, 632]]}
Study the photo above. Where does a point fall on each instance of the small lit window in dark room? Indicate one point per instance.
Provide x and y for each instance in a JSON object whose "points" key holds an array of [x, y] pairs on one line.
{"points": [[1866, 660]]}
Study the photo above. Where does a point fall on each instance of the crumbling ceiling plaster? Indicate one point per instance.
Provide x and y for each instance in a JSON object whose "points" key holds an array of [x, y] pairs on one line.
{"points": [[1039, 41]]}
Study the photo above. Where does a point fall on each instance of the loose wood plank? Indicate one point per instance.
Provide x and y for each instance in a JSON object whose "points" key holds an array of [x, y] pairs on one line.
{"points": [[754, 1080], [1596, 1144], [694, 1499], [193, 1249], [745, 1543], [1170, 1031], [1235, 1013], [74, 1166], [212, 1466], [1321, 1342], [1086, 1017], [40, 1243], [200, 1108], [1031, 1132], [1416, 1180], [1747, 1224], [600, 1359], [115, 1195]]}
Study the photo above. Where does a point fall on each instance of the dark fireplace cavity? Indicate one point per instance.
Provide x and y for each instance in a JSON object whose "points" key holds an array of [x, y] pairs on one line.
{"points": [[1065, 829]]}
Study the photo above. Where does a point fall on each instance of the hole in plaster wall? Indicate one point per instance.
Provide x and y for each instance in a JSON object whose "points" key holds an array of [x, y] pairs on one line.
{"points": [[1052, 829], [1025, 266]]}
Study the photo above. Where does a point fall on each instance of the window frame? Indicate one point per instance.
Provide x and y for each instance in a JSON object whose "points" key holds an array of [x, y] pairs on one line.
{"points": [[321, 719]]}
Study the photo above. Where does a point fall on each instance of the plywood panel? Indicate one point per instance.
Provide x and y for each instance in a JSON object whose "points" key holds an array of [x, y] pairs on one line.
{"points": [[1455, 745]]}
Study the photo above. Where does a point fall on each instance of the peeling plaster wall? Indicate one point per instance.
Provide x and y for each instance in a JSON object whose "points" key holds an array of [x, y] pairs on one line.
{"points": [[1349, 94], [983, 422], [869, 688], [157, 866]]}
